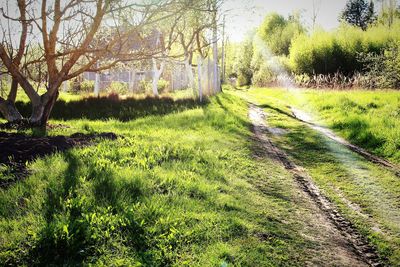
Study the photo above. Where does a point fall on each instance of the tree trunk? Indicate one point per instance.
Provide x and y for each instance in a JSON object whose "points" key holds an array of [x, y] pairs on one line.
{"points": [[155, 84], [199, 69], [7, 107], [189, 72], [41, 112], [9, 111]]}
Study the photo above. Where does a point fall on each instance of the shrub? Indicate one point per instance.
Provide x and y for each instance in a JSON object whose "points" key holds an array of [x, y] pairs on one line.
{"points": [[85, 86], [144, 86], [383, 70], [118, 88], [268, 70], [338, 51], [162, 86]]}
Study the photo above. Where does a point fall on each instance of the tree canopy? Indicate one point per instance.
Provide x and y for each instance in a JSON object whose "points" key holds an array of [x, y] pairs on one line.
{"points": [[277, 32], [359, 13]]}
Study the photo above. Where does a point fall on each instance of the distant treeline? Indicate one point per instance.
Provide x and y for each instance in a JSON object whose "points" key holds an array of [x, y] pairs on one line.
{"points": [[349, 56]]}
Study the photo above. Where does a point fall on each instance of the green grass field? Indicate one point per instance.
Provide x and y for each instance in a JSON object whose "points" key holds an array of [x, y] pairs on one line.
{"points": [[177, 189], [185, 185], [366, 194]]}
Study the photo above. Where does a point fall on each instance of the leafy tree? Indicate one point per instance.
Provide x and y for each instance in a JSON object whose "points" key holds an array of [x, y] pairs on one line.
{"points": [[359, 13], [277, 32], [243, 62]]}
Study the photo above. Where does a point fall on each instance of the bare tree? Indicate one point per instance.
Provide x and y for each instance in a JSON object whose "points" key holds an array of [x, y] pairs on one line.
{"points": [[316, 9], [67, 38]]}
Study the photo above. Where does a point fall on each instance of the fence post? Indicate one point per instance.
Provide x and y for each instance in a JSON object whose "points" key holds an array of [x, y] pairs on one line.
{"points": [[199, 64], [65, 86], [209, 81], [97, 84], [132, 80]]}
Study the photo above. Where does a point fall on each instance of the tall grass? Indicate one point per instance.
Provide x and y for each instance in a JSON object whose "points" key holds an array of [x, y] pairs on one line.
{"points": [[368, 119], [338, 51]]}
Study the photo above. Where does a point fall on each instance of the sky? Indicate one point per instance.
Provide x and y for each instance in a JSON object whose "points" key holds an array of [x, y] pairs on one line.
{"points": [[244, 15]]}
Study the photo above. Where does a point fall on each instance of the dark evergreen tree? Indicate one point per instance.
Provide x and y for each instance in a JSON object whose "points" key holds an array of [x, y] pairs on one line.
{"points": [[359, 13]]}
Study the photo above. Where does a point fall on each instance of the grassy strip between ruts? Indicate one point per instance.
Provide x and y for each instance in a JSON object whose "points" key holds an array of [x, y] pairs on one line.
{"points": [[177, 189], [368, 195]]}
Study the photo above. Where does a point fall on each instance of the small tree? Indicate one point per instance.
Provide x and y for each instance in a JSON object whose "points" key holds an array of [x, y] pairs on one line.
{"points": [[359, 13], [277, 32], [242, 65]]}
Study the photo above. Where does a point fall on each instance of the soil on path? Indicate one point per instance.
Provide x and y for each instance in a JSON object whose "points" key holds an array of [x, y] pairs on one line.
{"points": [[17, 149], [343, 245]]}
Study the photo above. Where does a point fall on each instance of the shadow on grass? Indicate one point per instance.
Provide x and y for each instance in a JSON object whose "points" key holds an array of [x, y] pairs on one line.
{"points": [[280, 111], [103, 108], [229, 111], [78, 229], [18, 149], [54, 245]]}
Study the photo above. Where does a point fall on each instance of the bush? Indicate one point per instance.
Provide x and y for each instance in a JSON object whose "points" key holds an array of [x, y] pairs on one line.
{"points": [[268, 71], [383, 70], [242, 65], [338, 51], [85, 86], [118, 88], [144, 86], [162, 86]]}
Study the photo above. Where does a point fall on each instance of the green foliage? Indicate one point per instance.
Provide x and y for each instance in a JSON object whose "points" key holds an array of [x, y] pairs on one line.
{"points": [[383, 70], [278, 32], [162, 86], [359, 13], [119, 88], [267, 68], [389, 13], [145, 86], [338, 51], [268, 50], [85, 86], [243, 62]]}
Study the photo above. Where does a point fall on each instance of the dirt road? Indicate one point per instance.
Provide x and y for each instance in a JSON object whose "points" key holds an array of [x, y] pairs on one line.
{"points": [[344, 246]]}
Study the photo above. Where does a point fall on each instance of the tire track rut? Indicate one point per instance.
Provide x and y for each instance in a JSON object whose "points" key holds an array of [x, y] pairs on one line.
{"points": [[356, 242]]}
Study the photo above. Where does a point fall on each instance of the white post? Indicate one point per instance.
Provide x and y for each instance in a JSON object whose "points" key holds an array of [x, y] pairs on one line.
{"points": [[215, 51], [156, 75], [223, 52], [189, 72], [97, 84], [172, 78], [199, 63], [133, 81], [65, 86], [209, 80]]}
